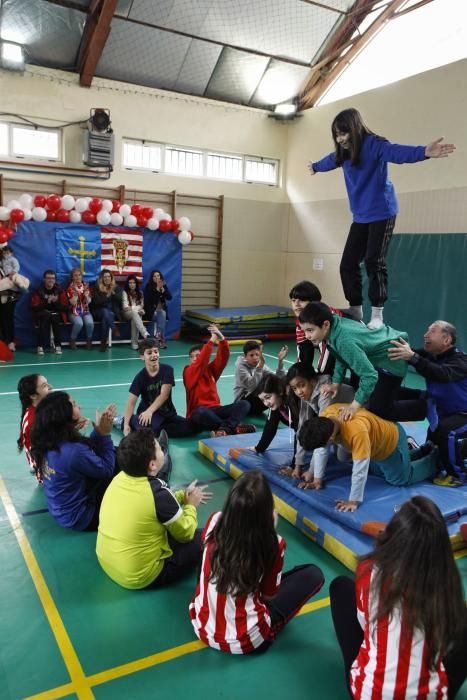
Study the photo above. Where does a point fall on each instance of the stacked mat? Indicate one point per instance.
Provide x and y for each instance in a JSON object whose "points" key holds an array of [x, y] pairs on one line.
{"points": [[243, 322], [344, 535]]}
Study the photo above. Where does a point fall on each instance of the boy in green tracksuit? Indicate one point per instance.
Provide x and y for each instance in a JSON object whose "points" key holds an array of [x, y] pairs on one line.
{"points": [[365, 352], [147, 533]]}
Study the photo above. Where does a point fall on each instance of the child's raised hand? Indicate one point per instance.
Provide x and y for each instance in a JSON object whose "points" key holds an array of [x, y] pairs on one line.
{"points": [[104, 420], [283, 353], [194, 495], [310, 168], [436, 149]]}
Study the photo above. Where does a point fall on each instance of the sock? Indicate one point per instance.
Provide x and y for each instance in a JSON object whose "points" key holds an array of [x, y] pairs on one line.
{"points": [[356, 312], [376, 317]]}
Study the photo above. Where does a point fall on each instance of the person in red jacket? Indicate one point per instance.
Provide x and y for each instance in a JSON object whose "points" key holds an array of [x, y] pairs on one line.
{"points": [[202, 400]]}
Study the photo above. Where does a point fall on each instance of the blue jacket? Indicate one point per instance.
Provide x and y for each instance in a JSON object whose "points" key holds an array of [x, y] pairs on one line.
{"points": [[371, 193], [446, 379], [70, 476]]}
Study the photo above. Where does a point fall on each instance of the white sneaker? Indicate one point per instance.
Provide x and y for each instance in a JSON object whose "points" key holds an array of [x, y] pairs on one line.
{"points": [[58, 350], [12, 347], [40, 350], [134, 346]]}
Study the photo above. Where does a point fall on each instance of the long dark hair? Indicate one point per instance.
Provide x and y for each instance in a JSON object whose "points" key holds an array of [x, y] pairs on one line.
{"points": [[414, 569], [138, 292], [272, 384], [151, 283], [244, 538], [53, 425], [350, 121], [27, 386]]}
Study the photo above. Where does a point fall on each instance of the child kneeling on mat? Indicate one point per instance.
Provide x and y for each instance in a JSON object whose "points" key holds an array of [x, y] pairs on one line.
{"points": [[241, 603], [374, 444], [147, 533]]}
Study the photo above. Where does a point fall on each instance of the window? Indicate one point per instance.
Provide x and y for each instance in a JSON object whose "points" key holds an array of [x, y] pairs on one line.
{"points": [[3, 139], [142, 154], [183, 162], [261, 170], [225, 167], [37, 143]]}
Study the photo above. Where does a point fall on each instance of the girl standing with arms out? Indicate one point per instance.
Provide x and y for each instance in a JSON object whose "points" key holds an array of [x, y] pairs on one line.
{"points": [[242, 599], [402, 626], [156, 296], [133, 309], [79, 296], [31, 390], [364, 156]]}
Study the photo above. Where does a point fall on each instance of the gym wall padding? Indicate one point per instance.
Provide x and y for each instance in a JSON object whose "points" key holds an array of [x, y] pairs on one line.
{"points": [[427, 281], [34, 245]]}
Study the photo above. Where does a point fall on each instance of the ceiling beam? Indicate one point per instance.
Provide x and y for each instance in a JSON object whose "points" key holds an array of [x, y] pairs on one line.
{"points": [[95, 34], [321, 79]]}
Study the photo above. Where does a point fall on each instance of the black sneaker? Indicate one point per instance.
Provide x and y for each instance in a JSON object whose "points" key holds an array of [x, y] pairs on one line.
{"points": [[163, 441]]}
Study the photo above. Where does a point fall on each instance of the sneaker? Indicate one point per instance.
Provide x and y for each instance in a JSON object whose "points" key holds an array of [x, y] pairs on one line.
{"points": [[245, 428], [40, 350], [163, 440], [134, 346], [448, 480], [12, 347], [218, 433], [412, 443], [58, 350], [118, 423]]}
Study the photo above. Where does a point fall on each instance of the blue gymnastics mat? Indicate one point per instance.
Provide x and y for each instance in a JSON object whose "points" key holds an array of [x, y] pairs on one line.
{"points": [[313, 512], [240, 313]]}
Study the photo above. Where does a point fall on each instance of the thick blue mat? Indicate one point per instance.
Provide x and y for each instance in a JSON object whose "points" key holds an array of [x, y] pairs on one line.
{"points": [[240, 313], [313, 512]]}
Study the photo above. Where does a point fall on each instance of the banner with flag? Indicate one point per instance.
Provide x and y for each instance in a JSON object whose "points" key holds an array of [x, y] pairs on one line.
{"points": [[78, 246], [122, 252]]}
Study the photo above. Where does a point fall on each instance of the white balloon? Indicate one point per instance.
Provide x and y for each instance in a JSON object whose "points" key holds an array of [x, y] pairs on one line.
{"points": [[125, 210], [26, 201], [159, 212], [107, 205], [68, 202], [184, 237], [130, 220], [88, 199], [13, 204], [4, 213], [27, 214], [116, 219], [103, 217], [153, 224], [81, 204], [39, 214], [165, 217], [75, 217], [185, 223]]}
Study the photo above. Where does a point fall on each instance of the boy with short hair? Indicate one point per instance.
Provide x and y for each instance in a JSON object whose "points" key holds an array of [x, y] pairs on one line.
{"points": [[154, 385], [250, 369], [147, 533], [49, 306]]}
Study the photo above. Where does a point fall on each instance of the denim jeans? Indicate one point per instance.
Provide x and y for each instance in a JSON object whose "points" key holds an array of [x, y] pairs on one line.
{"points": [[78, 322], [159, 322]]}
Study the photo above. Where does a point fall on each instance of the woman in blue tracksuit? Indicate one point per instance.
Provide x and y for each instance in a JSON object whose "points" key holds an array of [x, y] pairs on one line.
{"points": [[363, 157]]}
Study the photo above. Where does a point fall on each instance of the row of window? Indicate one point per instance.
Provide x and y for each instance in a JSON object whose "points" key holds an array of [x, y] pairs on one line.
{"points": [[26, 142]]}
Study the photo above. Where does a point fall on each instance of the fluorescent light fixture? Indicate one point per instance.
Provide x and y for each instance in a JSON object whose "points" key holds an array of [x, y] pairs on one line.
{"points": [[286, 109], [12, 55]]}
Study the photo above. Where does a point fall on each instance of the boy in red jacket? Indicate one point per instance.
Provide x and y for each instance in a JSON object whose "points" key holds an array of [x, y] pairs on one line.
{"points": [[202, 400]]}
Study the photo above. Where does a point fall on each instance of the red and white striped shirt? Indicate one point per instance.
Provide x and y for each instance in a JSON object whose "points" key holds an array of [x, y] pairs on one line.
{"points": [[235, 624], [392, 663], [26, 425]]}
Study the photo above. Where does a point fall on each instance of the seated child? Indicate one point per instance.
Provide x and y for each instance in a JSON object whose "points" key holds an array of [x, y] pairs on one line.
{"points": [[147, 533], [154, 385], [9, 263], [243, 599], [374, 444], [249, 370], [31, 389]]}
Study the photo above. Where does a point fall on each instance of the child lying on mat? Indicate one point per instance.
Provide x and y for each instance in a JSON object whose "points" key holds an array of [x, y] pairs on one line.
{"points": [[373, 444]]}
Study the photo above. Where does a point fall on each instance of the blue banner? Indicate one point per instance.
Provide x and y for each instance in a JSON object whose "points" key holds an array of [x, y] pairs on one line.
{"points": [[78, 246]]}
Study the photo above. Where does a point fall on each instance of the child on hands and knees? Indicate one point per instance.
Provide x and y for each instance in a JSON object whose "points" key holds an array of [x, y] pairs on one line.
{"points": [[402, 624], [148, 534], [243, 599]]}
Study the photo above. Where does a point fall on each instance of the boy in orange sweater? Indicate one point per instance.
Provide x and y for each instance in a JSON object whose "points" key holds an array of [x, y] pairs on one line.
{"points": [[202, 400]]}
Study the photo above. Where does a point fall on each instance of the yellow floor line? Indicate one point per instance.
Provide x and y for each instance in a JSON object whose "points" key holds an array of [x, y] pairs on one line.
{"points": [[62, 691], [80, 685], [316, 605]]}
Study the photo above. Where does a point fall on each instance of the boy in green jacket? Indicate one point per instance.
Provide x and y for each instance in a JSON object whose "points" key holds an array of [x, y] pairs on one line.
{"points": [[365, 352]]}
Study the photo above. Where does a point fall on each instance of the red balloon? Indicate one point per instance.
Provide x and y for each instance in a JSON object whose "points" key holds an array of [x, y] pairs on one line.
{"points": [[148, 212], [142, 221], [165, 226], [174, 225], [16, 215], [9, 232], [40, 200], [63, 216], [3, 236], [116, 204], [54, 202], [51, 215], [88, 216], [95, 205]]}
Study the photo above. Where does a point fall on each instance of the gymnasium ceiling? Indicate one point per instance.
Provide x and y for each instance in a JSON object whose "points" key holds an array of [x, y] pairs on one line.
{"points": [[250, 52]]}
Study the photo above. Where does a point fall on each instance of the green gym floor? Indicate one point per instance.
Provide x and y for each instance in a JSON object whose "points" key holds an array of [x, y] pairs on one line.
{"points": [[68, 631]]}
